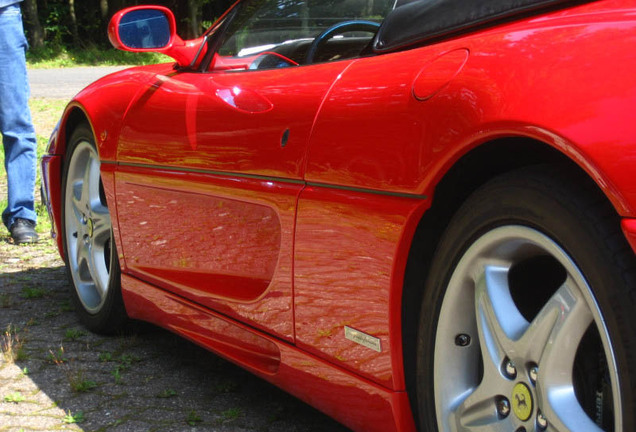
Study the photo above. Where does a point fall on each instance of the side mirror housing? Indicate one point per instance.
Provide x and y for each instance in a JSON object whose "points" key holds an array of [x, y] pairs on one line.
{"points": [[151, 29]]}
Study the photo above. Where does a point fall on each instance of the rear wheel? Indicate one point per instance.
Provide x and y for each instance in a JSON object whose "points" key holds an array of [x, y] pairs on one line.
{"points": [[89, 249], [528, 319]]}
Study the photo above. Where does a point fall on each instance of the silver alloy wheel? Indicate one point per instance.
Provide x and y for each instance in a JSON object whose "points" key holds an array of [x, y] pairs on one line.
{"points": [[87, 228], [494, 370]]}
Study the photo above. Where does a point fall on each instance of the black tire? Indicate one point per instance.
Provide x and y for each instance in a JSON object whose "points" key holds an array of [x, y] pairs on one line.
{"points": [[536, 246], [89, 249]]}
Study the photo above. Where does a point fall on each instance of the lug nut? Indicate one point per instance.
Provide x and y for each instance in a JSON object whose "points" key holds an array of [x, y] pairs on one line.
{"points": [[542, 422], [503, 407], [509, 369], [534, 373], [462, 340]]}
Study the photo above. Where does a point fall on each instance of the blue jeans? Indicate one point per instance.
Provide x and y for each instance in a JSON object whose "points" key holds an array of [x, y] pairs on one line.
{"points": [[18, 134]]}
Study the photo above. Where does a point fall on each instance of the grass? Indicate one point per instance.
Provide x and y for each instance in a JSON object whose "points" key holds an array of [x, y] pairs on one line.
{"points": [[116, 373], [75, 375], [57, 357], [78, 382], [16, 397], [105, 357], [59, 57], [33, 292], [12, 346], [70, 418], [73, 334], [231, 414], [193, 418], [167, 393]]}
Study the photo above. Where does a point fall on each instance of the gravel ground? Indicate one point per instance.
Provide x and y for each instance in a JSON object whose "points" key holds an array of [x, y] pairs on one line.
{"points": [[55, 375]]}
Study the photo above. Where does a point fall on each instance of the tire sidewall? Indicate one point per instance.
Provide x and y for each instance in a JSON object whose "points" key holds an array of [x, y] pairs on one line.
{"points": [[520, 199], [111, 316]]}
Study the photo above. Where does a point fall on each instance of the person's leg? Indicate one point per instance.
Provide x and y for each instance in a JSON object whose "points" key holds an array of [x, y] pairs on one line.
{"points": [[15, 119]]}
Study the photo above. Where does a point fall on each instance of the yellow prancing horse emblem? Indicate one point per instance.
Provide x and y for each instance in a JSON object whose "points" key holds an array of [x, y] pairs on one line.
{"points": [[90, 227], [522, 401]]}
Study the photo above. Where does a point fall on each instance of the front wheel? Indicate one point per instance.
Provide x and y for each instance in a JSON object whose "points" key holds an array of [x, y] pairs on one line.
{"points": [[528, 319], [89, 249]]}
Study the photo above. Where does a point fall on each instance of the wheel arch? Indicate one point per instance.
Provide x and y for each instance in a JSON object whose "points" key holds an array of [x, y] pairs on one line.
{"points": [[467, 174], [75, 117], [58, 144]]}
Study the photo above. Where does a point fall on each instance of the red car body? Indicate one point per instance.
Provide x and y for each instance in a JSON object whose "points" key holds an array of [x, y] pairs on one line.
{"points": [[258, 214]]}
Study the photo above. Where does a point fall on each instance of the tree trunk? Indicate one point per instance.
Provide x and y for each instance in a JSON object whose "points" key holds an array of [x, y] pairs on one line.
{"points": [[103, 10], [73, 18], [194, 19], [34, 30]]}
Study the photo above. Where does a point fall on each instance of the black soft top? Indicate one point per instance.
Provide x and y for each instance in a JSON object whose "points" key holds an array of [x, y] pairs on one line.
{"points": [[418, 21]]}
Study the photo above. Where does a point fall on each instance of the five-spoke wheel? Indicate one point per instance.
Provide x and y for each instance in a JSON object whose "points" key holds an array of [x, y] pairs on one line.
{"points": [[87, 232], [516, 332]]}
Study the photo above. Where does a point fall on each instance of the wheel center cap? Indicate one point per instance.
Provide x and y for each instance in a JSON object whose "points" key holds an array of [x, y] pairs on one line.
{"points": [[522, 401], [90, 227]]}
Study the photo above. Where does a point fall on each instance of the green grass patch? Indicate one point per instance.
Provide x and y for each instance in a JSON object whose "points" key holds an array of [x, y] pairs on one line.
{"points": [[59, 57], [16, 397], [70, 418], [12, 346], [231, 414], [33, 293], [193, 418], [73, 334], [80, 385], [105, 357], [57, 357], [116, 373], [167, 393]]}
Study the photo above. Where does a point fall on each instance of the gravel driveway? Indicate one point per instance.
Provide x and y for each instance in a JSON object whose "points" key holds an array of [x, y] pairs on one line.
{"points": [[53, 372]]}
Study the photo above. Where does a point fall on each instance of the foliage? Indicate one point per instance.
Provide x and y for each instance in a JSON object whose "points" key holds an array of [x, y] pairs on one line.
{"points": [[16, 397], [52, 56], [70, 418], [72, 25], [11, 346], [193, 418]]}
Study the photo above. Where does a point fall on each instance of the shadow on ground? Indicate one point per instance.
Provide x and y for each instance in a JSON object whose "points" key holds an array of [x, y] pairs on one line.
{"points": [[55, 375]]}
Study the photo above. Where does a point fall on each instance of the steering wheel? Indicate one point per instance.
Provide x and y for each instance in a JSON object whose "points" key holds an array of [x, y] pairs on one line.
{"points": [[341, 27]]}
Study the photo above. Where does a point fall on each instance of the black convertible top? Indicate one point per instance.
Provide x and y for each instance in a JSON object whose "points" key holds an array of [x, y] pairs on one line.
{"points": [[418, 21]]}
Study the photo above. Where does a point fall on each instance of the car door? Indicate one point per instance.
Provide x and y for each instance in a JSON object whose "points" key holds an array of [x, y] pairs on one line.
{"points": [[364, 198], [210, 166]]}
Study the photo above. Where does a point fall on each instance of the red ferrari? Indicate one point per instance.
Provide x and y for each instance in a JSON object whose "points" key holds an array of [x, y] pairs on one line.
{"points": [[410, 214]]}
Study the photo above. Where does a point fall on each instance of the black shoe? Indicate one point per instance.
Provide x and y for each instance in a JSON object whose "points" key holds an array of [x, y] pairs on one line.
{"points": [[23, 231]]}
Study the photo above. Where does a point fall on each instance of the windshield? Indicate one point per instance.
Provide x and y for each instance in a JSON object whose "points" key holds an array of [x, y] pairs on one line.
{"points": [[287, 28]]}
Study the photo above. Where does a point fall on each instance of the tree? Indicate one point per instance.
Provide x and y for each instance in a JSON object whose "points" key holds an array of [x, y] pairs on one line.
{"points": [[73, 23], [32, 24]]}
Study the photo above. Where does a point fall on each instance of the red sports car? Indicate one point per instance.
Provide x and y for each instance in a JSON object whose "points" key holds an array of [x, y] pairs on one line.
{"points": [[410, 214]]}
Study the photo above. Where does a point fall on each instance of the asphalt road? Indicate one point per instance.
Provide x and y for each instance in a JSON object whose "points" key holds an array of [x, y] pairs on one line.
{"points": [[64, 83]]}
